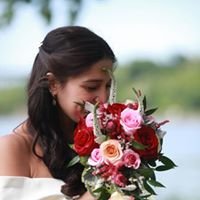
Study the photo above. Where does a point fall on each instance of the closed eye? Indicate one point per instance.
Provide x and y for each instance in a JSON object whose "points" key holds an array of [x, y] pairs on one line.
{"points": [[94, 85], [91, 88], [108, 85]]}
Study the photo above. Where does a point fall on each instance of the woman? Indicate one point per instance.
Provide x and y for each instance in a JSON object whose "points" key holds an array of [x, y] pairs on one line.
{"points": [[68, 70]]}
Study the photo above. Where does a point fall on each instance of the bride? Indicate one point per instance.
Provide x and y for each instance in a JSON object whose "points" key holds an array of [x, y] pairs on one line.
{"points": [[34, 157]]}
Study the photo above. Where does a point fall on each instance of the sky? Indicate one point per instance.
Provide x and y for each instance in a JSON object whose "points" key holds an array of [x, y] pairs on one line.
{"points": [[135, 29]]}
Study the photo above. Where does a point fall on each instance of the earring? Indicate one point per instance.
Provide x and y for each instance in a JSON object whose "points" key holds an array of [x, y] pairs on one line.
{"points": [[54, 101], [53, 98]]}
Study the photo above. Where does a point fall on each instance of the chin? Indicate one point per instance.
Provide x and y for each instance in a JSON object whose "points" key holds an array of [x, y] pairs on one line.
{"points": [[77, 116]]}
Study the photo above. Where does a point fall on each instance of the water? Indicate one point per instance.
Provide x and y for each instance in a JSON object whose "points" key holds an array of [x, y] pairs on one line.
{"points": [[8, 123], [181, 144]]}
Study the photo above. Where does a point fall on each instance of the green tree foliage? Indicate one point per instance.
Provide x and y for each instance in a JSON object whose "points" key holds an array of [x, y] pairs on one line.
{"points": [[175, 85], [10, 7], [12, 99]]}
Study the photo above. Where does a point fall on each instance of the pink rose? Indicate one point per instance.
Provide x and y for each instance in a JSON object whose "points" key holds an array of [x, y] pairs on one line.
{"points": [[111, 151], [131, 159], [95, 157], [120, 180], [110, 126], [131, 120], [89, 120]]}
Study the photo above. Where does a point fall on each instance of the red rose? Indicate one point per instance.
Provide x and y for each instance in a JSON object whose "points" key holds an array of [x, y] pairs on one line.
{"points": [[147, 136], [116, 108], [112, 127], [133, 105], [84, 140]]}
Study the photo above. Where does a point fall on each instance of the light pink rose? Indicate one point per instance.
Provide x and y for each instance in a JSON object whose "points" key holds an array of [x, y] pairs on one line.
{"points": [[111, 151], [131, 159], [95, 158], [131, 120], [89, 120]]}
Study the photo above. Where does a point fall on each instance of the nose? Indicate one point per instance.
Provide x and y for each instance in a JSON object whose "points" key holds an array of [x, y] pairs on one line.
{"points": [[102, 96]]}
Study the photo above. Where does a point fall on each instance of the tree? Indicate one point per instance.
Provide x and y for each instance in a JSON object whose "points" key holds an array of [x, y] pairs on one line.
{"points": [[9, 8]]}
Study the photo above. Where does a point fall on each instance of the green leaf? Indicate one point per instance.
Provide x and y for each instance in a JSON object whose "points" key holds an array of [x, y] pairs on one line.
{"points": [[167, 161], [149, 188], [138, 145], [71, 145], [73, 161], [150, 111], [155, 183], [144, 101], [163, 168], [87, 177], [83, 160], [100, 189], [104, 194], [142, 197], [146, 172], [135, 91], [152, 163]]}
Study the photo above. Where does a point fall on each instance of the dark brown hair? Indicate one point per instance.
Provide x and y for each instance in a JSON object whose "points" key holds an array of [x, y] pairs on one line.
{"points": [[66, 52]]}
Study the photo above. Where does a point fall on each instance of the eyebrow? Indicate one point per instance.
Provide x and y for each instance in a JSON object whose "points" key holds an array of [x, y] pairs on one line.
{"points": [[94, 80]]}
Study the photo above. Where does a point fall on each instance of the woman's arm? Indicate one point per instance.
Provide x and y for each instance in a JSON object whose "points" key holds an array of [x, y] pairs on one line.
{"points": [[14, 158]]}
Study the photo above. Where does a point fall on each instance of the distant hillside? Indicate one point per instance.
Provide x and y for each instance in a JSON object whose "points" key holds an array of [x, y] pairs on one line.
{"points": [[173, 86]]}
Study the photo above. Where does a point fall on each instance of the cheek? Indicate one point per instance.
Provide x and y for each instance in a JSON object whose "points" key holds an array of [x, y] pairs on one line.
{"points": [[72, 110], [67, 98], [70, 94]]}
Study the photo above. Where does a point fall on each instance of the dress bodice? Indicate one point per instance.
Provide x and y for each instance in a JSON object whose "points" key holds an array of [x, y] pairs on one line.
{"points": [[24, 188]]}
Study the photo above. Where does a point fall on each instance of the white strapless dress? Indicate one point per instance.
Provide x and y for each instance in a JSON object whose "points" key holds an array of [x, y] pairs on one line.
{"points": [[24, 188]]}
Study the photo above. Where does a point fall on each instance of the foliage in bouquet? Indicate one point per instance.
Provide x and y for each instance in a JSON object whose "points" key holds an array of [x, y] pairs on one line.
{"points": [[120, 145]]}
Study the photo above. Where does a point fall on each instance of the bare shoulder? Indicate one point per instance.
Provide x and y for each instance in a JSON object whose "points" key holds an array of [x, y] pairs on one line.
{"points": [[14, 155]]}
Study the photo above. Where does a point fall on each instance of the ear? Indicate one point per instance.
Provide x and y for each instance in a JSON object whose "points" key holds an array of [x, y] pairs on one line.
{"points": [[53, 83]]}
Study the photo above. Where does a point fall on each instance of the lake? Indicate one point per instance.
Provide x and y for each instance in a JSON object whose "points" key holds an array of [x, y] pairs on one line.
{"points": [[181, 144]]}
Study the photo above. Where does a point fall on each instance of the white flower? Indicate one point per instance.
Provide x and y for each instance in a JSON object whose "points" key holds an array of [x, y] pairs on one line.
{"points": [[117, 196]]}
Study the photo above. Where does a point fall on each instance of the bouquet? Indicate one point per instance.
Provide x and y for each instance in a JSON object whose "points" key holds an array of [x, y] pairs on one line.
{"points": [[120, 145]]}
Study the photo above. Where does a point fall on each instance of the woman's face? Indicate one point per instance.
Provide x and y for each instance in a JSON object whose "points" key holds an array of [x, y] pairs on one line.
{"points": [[91, 85]]}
